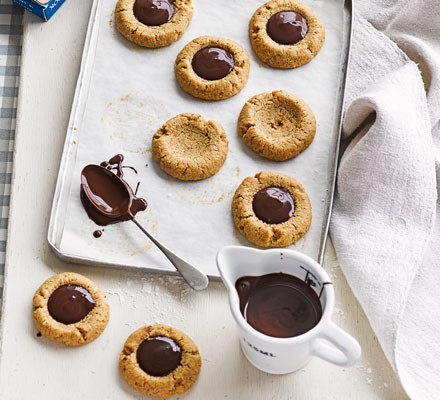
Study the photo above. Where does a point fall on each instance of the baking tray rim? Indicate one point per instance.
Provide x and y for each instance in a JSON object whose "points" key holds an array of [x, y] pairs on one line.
{"points": [[86, 61]]}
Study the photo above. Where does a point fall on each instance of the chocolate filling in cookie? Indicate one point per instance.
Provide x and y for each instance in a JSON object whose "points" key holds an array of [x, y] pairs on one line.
{"points": [[273, 205], [70, 304], [213, 63], [287, 27], [153, 12], [159, 355]]}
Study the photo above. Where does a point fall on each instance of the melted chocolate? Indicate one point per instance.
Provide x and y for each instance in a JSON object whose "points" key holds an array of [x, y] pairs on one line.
{"points": [[212, 63], [106, 197], [153, 12], [159, 355], [97, 234], [278, 305], [287, 27], [273, 205], [70, 303]]}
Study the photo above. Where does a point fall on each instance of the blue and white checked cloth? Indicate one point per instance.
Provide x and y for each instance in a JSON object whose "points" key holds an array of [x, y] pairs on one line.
{"points": [[11, 33]]}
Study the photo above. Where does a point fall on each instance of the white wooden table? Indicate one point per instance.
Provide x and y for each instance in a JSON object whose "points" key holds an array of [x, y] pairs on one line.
{"points": [[32, 367]]}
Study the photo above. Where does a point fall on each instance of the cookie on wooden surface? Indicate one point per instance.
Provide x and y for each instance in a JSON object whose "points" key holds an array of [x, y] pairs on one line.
{"points": [[159, 360], [71, 309]]}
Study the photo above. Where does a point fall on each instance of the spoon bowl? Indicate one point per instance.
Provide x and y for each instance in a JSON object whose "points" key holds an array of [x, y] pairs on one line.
{"points": [[105, 191]]}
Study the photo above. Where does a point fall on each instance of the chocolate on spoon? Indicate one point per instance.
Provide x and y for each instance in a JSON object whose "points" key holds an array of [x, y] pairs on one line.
{"points": [[109, 199], [106, 197]]}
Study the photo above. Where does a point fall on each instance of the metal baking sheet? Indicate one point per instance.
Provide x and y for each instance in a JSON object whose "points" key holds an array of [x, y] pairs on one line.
{"points": [[186, 215]]}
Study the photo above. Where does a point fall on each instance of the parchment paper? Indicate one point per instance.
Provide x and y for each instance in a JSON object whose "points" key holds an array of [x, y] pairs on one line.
{"points": [[133, 91]]}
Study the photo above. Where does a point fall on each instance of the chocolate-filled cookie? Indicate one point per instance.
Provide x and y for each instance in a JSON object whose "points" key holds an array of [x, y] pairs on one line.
{"points": [[277, 125], [153, 23], [271, 209], [212, 68], [286, 33], [190, 148], [159, 360], [71, 309]]}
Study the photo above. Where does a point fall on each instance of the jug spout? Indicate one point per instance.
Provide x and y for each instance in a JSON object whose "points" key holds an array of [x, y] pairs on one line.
{"points": [[234, 262]]}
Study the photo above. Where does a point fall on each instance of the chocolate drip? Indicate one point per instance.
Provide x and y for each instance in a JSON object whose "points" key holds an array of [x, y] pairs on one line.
{"points": [[70, 303], [287, 27], [159, 355], [278, 305], [212, 63], [153, 12], [106, 196], [273, 205]]}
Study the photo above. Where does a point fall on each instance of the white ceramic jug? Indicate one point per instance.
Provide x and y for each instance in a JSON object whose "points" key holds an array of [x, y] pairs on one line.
{"points": [[284, 355]]}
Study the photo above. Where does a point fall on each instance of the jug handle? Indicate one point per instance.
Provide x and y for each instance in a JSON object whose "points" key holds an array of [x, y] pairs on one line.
{"points": [[344, 351]]}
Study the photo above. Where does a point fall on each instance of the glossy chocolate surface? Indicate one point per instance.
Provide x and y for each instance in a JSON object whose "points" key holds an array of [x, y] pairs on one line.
{"points": [[153, 12], [159, 355], [70, 303], [212, 63], [287, 27], [278, 305], [106, 197], [273, 205]]}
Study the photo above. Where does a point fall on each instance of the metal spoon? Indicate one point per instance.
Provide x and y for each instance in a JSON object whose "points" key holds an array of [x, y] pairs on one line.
{"points": [[193, 277], [112, 197]]}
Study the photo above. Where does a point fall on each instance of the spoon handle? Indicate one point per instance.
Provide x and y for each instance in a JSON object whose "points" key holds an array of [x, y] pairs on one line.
{"points": [[195, 278]]}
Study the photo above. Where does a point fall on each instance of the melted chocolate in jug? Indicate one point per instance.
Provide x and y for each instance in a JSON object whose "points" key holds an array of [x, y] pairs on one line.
{"points": [[278, 305]]}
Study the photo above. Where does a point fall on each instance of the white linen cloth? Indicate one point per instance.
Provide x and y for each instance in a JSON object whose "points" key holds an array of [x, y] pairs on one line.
{"points": [[384, 226]]}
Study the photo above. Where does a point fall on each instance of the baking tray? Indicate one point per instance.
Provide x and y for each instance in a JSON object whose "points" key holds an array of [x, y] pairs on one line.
{"points": [[60, 202]]}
